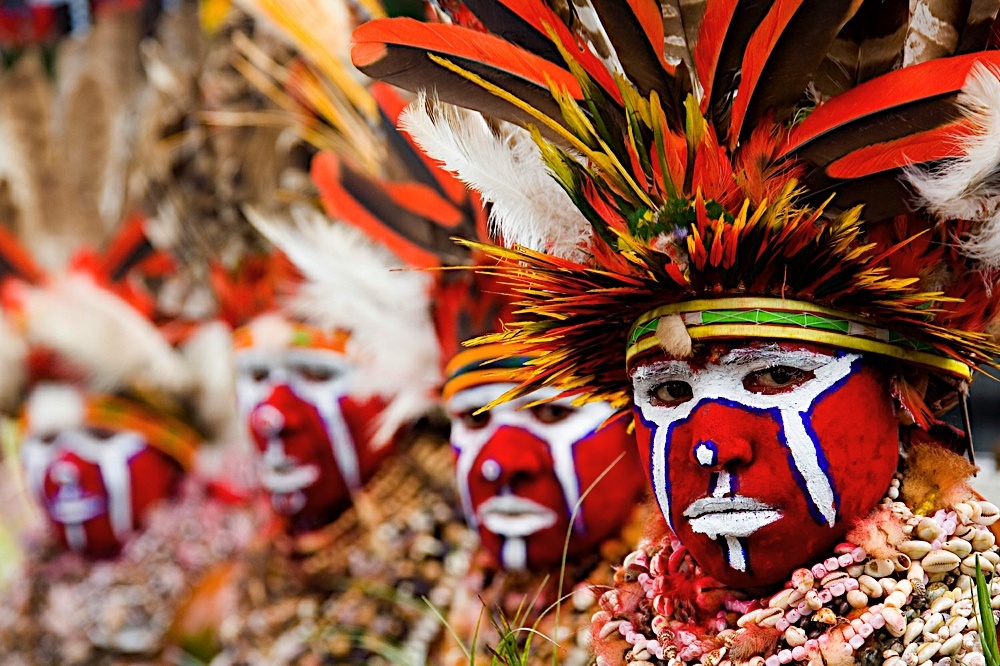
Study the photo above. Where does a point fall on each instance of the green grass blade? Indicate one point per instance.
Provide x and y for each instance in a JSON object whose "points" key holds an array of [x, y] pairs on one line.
{"points": [[987, 627]]}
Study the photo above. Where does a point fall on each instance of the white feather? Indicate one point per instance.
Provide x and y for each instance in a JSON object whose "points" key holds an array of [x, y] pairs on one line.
{"points": [[968, 187], [209, 354], [102, 335], [529, 206], [353, 285]]}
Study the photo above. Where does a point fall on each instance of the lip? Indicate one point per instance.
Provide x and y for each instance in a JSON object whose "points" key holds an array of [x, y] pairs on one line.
{"points": [[76, 510], [514, 516], [288, 479], [736, 516]]}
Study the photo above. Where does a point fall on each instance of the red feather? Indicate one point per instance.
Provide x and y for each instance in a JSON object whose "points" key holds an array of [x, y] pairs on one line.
{"points": [[935, 144], [396, 51]]}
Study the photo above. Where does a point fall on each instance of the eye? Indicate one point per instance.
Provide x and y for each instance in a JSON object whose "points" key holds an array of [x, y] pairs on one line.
{"points": [[474, 421], [259, 373], [779, 379], [102, 434], [670, 394], [551, 413], [316, 373], [48, 438]]}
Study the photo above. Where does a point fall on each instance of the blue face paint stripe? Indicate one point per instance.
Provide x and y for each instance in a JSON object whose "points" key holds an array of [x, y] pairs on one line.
{"points": [[745, 546], [800, 480]]}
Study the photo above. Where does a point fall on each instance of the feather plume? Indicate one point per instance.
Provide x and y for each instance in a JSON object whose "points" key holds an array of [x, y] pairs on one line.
{"points": [[968, 187], [530, 209], [351, 284], [103, 336], [13, 352]]}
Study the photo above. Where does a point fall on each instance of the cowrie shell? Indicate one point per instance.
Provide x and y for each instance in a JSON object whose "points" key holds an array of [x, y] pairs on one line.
{"points": [[940, 561], [989, 513], [915, 549]]}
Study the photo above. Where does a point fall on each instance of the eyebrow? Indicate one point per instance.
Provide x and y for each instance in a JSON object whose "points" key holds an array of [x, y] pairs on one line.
{"points": [[748, 355]]}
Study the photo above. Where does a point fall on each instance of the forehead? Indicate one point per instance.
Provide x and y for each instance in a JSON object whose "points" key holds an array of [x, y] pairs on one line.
{"points": [[482, 395], [740, 354]]}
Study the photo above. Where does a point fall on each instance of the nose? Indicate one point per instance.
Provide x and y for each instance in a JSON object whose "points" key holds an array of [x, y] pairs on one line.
{"points": [[65, 473], [513, 456], [722, 436], [280, 414]]}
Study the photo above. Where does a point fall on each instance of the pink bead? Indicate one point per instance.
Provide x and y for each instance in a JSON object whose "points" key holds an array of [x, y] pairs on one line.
{"points": [[631, 637], [803, 609], [866, 630], [936, 544], [857, 641], [785, 656], [866, 617], [624, 628], [782, 625], [798, 653], [812, 645], [851, 584], [859, 555], [819, 571], [644, 578], [831, 564], [772, 661], [793, 616], [838, 590], [950, 526], [877, 621], [825, 596], [845, 560], [823, 639], [848, 632]]}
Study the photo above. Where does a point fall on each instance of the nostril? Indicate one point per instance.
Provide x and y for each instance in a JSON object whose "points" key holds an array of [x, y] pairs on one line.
{"points": [[707, 453], [267, 421]]}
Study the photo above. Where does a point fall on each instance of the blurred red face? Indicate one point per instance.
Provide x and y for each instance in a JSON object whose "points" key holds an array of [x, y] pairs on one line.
{"points": [[762, 457], [96, 486], [521, 472], [313, 437]]}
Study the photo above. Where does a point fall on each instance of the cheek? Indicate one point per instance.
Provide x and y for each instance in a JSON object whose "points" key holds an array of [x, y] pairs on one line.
{"points": [[361, 417], [858, 432], [613, 498], [154, 477]]}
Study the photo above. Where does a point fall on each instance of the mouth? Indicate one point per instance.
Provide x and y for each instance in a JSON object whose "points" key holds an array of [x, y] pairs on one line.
{"points": [[513, 516], [76, 510], [287, 478], [736, 516]]}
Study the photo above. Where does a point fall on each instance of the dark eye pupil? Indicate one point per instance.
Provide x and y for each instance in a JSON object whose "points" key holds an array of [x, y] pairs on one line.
{"points": [[677, 390], [781, 375], [551, 413], [259, 374], [473, 420]]}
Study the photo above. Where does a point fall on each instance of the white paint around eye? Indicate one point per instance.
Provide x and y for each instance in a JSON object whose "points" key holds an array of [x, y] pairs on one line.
{"points": [[560, 436], [724, 381]]}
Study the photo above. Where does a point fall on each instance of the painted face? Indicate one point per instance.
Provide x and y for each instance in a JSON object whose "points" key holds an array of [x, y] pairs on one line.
{"points": [[95, 485], [762, 457], [313, 437], [521, 472]]}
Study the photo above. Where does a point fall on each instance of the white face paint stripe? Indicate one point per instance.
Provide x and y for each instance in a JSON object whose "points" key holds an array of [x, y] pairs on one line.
{"points": [[724, 382], [736, 554], [514, 554]]}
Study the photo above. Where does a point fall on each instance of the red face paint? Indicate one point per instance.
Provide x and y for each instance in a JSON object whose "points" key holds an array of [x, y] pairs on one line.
{"points": [[311, 462], [522, 471], [97, 491], [763, 458]]}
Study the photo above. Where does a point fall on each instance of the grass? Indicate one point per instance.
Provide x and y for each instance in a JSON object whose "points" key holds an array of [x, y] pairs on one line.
{"points": [[987, 625], [510, 650]]}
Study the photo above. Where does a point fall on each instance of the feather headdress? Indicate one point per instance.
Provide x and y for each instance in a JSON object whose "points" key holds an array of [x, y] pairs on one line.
{"points": [[783, 177]]}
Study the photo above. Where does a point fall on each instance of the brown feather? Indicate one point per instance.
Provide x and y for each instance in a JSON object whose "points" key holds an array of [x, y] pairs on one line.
{"points": [[871, 43], [935, 28], [976, 34]]}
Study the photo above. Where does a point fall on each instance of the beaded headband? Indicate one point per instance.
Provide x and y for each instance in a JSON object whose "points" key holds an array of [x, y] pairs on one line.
{"points": [[301, 335], [779, 319], [482, 364]]}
